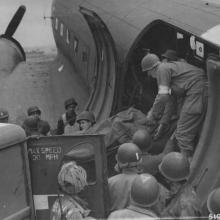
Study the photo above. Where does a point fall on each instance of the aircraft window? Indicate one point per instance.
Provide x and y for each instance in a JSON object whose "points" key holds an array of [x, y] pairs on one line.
{"points": [[56, 23], [67, 36], [75, 44], [61, 29]]}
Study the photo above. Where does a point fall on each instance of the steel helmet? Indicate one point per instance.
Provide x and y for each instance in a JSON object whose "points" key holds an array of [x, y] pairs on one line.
{"points": [[128, 155], [142, 139], [70, 101], [3, 113], [149, 62], [43, 127], [145, 191], [72, 178], [213, 202], [86, 115], [175, 166], [170, 54], [33, 109]]}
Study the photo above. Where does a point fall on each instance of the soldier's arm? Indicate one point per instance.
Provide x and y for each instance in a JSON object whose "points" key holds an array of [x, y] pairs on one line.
{"points": [[163, 97]]}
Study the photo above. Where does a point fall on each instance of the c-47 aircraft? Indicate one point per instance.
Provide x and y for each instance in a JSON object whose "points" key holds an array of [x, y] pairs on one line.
{"points": [[104, 41]]}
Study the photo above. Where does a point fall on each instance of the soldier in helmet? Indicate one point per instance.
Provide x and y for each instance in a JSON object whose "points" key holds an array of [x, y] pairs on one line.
{"points": [[66, 122], [173, 107], [42, 125], [128, 158], [213, 201], [30, 125], [4, 115], [186, 77], [34, 111], [149, 163], [85, 120], [72, 180], [169, 56], [183, 202], [43, 128], [145, 192]]}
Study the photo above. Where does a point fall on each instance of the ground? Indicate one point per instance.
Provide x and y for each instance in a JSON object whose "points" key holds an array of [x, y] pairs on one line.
{"points": [[45, 80]]}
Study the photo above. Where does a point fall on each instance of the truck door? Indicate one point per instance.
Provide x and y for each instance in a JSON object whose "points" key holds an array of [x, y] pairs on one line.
{"points": [[15, 191], [46, 155]]}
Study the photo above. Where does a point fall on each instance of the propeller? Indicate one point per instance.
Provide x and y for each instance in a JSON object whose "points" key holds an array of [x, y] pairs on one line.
{"points": [[15, 21]]}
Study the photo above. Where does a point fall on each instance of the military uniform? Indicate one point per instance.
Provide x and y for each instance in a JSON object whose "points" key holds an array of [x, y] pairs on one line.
{"points": [[150, 163], [71, 209], [71, 180], [66, 125], [186, 204], [43, 127], [133, 212], [120, 187], [194, 83]]}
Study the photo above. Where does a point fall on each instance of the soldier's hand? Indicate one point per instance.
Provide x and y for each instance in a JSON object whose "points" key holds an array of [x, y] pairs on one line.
{"points": [[150, 119], [161, 131]]}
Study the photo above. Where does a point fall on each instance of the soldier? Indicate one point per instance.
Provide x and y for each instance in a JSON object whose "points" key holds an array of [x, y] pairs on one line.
{"points": [[145, 192], [42, 125], [34, 111], [169, 55], [86, 120], [213, 202], [30, 125], [149, 163], [72, 180], [183, 201], [65, 124], [4, 115], [128, 159], [188, 78]]}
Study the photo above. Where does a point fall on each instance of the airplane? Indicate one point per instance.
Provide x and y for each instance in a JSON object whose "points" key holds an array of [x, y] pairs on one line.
{"points": [[10, 47], [104, 42]]}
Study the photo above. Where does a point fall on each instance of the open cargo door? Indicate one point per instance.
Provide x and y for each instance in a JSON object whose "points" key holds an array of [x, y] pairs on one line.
{"points": [[46, 155], [103, 95]]}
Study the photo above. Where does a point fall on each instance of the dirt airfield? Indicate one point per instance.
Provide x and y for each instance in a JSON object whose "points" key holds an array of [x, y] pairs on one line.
{"points": [[45, 80]]}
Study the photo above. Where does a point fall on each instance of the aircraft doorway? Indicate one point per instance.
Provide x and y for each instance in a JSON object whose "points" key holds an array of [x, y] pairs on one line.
{"points": [[103, 91]]}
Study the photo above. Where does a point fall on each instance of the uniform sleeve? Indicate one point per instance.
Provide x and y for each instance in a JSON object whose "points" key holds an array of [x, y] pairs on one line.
{"points": [[164, 74], [159, 105], [163, 96], [190, 205], [169, 110]]}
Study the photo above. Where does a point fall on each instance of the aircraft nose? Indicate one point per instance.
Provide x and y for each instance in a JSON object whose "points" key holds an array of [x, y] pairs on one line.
{"points": [[11, 55], [11, 51]]}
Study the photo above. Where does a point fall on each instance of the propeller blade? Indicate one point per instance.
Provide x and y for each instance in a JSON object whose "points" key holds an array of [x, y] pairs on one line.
{"points": [[15, 21]]}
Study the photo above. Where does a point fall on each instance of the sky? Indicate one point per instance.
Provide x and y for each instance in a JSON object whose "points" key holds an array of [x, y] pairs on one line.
{"points": [[33, 31]]}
